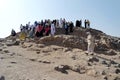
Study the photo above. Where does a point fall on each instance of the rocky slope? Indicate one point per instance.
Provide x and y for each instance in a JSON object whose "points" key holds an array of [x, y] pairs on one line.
{"points": [[62, 57]]}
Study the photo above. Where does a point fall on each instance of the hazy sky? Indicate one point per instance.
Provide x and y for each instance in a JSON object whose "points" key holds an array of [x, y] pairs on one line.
{"points": [[103, 14]]}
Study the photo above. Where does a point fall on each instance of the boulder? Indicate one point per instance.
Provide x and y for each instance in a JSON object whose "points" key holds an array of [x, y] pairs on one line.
{"points": [[93, 59], [6, 51], [78, 68], [62, 68], [111, 53], [117, 71], [117, 78], [91, 72]]}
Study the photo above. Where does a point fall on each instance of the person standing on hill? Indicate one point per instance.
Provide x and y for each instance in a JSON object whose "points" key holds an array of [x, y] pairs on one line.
{"points": [[52, 29], [71, 27], [88, 24], [85, 22], [91, 43], [80, 23]]}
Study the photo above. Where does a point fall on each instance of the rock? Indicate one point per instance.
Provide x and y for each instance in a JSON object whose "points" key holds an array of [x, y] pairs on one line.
{"points": [[104, 72], [62, 68], [32, 59], [91, 72], [106, 78], [78, 68], [104, 62], [117, 78], [67, 49], [117, 71], [74, 57], [16, 43], [46, 62], [38, 52], [2, 58], [40, 45], [2, 78], [112, 62], [118, 65], [6, 51], [13, 62], [11, 54], [111, 52], [93, 59], [89, 64], [0, 49], [10, 43]]}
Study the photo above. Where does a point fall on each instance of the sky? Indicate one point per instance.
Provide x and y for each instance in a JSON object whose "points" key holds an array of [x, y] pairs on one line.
{"points": [[104, 15]]}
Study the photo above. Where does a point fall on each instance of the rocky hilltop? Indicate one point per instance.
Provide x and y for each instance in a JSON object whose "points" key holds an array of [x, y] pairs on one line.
{"points": [[62, 57]]}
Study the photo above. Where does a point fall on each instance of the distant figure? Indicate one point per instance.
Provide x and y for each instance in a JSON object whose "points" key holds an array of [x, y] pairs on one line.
{"points": [[21, 27], [31, 32], [61, 23], [66, 28], [91, 43], [77, 23], [52, 29], [88, 24], [13, 33], [80, 23], [71, 27], [47, 29], [85, 22]]}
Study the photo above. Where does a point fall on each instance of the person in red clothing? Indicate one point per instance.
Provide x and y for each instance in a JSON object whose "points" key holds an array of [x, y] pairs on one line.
{"points": [[47, 30], [39, 30]]}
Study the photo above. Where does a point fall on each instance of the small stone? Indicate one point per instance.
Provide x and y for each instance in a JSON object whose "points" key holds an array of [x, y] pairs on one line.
{"points": [[30, 45], [13, 62], [66, 49], [113, 62], [118, 65], [33, 59], [6, 51], [47, 62], [91, 72], [106, 78], [117, 78], [89, 64], [38, 52], [93, 59], [11, 54], [104, 73], [104, 62], [62, 68], [117, 71], [111, 53], [0, 49], [16, 43], [40, 45], [74, 57]]}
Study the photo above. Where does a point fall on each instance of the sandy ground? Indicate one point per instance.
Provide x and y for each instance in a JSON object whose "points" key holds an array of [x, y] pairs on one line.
{"points": [[37, 62]]}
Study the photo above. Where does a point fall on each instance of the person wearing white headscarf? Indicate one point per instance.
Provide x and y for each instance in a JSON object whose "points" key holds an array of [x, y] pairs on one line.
{"points": [[52, 29], [91, 43]]}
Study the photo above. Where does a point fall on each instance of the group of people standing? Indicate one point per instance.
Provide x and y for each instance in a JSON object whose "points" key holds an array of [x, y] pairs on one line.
{"points": [[86, 23], [48, 27]]}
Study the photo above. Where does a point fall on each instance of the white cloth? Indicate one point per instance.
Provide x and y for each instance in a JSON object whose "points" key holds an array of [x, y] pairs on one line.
{"points": [[52, 29]]}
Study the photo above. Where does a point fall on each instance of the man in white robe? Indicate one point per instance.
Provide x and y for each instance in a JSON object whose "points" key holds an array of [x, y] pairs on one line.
{"points": [[91, 43], [52, 29]]}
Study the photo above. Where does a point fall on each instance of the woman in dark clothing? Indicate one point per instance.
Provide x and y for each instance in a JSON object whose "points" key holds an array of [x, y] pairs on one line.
{"points": [[71, 27]]}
